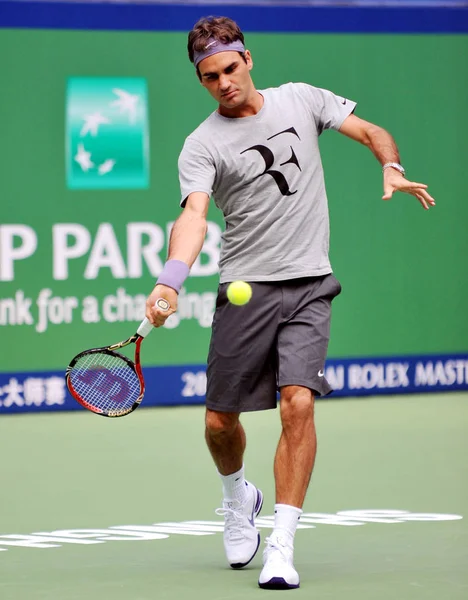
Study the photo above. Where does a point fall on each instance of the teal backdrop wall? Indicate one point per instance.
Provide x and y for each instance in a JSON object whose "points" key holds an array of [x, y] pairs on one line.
{"points": [[76, 264]]}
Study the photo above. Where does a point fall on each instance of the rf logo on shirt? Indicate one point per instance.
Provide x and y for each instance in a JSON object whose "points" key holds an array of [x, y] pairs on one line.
{"points": [[269, 159]]}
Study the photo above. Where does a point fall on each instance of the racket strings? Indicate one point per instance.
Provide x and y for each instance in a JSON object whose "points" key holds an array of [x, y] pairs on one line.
{"points": [[105, 381]]}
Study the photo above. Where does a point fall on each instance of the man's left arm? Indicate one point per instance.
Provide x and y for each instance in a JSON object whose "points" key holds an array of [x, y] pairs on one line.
{"points": [[384, 148]]}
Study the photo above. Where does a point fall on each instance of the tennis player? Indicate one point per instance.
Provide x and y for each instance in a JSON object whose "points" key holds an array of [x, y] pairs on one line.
{"points": [[257, 155]]}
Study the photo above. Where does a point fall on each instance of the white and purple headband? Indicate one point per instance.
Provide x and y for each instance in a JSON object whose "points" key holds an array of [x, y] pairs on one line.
{"points": [[214, 46]]}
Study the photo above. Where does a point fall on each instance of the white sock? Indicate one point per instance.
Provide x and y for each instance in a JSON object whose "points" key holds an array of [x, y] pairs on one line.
{"points": [[286, 520], [234, 486]]}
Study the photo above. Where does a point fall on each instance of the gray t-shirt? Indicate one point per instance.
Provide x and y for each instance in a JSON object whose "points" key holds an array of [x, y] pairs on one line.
{"points": [[265, 174]]}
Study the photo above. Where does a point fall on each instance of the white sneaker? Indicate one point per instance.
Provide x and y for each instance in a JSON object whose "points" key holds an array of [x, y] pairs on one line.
{"points": [[278, 571], [241, 538]]}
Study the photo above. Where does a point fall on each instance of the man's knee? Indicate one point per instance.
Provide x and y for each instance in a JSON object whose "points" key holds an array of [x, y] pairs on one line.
{"points": [[220, 423], [296, 404]]}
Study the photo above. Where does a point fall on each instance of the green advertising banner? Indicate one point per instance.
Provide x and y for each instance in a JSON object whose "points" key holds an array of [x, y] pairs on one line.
{"points": [[92, 126]]}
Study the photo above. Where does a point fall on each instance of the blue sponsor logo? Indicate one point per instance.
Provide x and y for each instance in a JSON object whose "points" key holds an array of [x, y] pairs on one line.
{"points": [[186, 384]]}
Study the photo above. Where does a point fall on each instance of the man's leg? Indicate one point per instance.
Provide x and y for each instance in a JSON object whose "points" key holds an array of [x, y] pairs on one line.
{"points": [[294, 461], [225, 438], [242, 501], [295, 455]]}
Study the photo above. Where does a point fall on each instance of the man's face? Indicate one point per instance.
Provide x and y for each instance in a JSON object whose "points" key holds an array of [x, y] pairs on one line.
{"points": [[227, 77]]}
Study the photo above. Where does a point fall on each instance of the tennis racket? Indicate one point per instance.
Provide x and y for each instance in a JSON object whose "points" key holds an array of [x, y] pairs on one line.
{"points": [[107, 382]]}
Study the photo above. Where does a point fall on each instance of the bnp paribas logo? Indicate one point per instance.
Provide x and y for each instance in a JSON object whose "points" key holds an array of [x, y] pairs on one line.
{"points": [[107, 139]]}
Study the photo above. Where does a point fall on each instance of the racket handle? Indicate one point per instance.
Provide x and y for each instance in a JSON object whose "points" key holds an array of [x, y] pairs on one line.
{"points": [[146, 326]]}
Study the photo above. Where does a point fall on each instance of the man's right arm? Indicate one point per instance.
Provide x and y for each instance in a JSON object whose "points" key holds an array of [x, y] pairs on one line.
{"points": [[185, 244], [188, 233]]}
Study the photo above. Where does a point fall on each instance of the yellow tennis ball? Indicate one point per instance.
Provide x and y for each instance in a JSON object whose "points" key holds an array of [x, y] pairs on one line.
{"points": [[239, 292]]}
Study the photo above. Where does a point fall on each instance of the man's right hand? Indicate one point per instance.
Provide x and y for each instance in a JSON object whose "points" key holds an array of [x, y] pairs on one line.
{"points": [[154, 314]]}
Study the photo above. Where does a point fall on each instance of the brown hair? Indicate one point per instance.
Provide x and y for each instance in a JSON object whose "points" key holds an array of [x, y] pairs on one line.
{"points": [[223, 29]]}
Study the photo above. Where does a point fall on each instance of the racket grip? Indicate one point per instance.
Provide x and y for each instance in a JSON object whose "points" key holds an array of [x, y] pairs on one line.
{"points": [[146, 326]]}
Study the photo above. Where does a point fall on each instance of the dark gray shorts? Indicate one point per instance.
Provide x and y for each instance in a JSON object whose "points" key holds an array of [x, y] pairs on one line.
{"points": [[279, 338]]}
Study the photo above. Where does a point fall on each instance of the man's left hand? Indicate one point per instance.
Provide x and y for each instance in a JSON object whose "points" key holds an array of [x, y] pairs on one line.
{"points": [[395, 182]]}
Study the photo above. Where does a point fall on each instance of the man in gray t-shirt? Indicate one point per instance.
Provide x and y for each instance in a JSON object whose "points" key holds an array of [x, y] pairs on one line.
{"points": [[257, 155], [265, 173]]}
